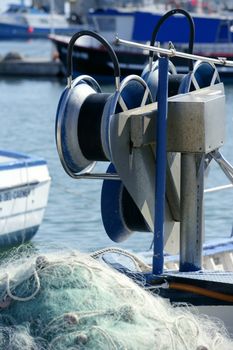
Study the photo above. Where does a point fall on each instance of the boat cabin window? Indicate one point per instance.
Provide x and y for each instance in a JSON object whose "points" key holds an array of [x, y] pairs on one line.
{"points": [[106, 24], [22, 20], [224, 32], [12, 9], [16, 9], [44, 20]]}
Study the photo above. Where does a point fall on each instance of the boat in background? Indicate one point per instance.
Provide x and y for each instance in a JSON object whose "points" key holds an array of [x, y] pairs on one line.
{"points": [[137, 25], [24, 189], [26, 22]]}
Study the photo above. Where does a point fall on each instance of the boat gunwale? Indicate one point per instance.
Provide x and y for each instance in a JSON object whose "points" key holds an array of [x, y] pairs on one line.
{"points": [[19, 160]]}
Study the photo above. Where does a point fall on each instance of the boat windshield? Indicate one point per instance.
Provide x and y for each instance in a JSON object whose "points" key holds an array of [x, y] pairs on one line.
{"points": [[15, 9]]}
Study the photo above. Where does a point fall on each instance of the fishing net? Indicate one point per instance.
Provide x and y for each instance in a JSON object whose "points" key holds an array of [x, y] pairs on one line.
{"points": [[72, 301]]}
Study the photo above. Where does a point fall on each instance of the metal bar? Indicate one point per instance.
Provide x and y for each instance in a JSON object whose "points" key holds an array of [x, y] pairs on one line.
{"points": [[224, 164], [218, 188], [192, 210], [96, 176], [172, 52], [161, 161]]}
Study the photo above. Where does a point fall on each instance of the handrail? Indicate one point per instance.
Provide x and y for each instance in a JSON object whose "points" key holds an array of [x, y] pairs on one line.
{"points": [[173, 52]]}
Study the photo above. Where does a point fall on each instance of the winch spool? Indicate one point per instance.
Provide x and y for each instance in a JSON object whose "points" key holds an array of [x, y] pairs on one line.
{"points": [[133, 92], [81, 105], [120, 215], [150, 72], [84, 112], [204, 74], [151, 75], [116, 210]]}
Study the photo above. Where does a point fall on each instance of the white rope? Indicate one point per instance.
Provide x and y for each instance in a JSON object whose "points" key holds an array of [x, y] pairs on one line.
{"points": [[106, 336], [139, 264], [17, 298]]}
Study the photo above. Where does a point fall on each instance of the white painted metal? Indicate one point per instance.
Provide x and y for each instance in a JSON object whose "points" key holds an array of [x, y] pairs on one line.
{"points": [[172, 52], [24, 189]]}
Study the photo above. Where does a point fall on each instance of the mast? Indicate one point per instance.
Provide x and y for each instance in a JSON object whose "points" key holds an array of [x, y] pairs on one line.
{"points": [[52, 9]]}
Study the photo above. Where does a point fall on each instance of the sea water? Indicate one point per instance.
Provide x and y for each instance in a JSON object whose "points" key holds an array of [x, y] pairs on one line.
{"points": [[72, 218]]}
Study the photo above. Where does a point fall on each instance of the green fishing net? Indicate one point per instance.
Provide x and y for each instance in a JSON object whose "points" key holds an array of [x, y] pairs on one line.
{"points": [[60, 301]]}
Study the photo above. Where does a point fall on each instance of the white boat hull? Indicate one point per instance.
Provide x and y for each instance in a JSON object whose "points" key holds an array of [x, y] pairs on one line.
{"points": [[24, 189]]}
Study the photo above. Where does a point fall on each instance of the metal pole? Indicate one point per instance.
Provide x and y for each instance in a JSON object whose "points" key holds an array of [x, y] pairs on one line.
{"points": [[52, 10], [161, 162], [172, 52], [192, 212]]}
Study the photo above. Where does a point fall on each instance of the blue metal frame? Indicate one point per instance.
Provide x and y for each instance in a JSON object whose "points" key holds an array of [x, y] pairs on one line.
{"points": [[161, 162]]}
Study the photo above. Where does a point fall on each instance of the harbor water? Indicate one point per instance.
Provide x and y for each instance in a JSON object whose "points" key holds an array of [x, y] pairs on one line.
{"points": [[72, 218]]}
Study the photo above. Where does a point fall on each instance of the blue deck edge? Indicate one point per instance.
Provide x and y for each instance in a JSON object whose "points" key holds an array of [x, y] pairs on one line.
{"points": [[19, 160]]}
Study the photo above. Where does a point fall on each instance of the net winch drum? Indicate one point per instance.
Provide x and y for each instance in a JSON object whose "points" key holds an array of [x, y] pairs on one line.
{"points": [[83, 121], [119, 220], [117, 206], [151, 76], [117, 211], [120, 215], [204, 74], [84, 112], [151, 72]]}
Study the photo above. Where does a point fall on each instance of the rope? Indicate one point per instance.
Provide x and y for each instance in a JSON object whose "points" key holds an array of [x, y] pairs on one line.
{"points": [[182, 337], [17, 298], [106, 336], [139, 264]]}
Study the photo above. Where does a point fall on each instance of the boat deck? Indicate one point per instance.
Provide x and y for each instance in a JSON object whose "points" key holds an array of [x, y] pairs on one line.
{"points": [[9, 160], [207, 276], [210, 287]]}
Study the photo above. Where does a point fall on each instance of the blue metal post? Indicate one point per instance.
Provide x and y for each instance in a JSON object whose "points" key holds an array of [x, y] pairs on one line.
{"points": [[161, 162]]}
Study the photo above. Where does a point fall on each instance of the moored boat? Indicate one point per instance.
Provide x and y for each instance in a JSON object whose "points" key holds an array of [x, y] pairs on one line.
{"points": [[24, 189], [137, 25], [25, 22]]}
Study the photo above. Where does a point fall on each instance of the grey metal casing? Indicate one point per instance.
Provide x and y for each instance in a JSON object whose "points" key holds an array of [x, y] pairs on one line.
{"points": [[195, 129], [196, 121]]}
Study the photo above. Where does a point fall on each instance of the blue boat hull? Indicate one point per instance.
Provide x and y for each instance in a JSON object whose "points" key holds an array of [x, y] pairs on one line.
{"points": [[207, 30], [17, 237], [98, 63], [12, 32]]}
